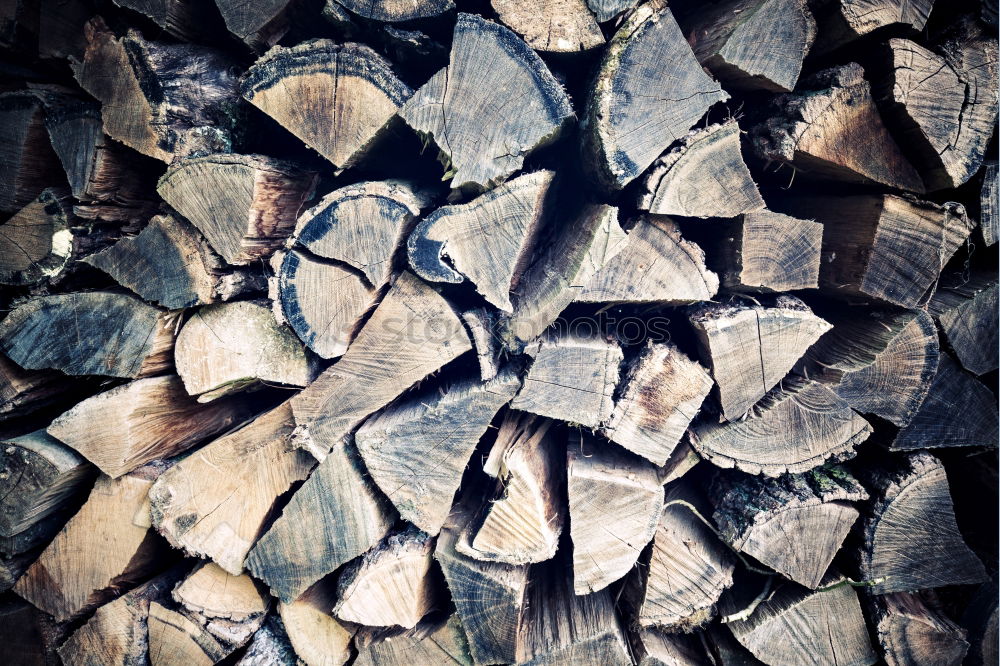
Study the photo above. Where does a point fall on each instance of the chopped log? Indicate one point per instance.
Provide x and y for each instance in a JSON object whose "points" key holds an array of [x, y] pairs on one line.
{"points": [[27, 162], [179, 18], [847, 20], [492, 69], [656, 648], [412, 333], [25, 391], [605, 10], [725, 649], [93, 333], [729, 334], [880, 362], [910, 631], [910, 538], [417, 449], [270, 646], [36, 243], [703, 177], [751, 44], [656, 265], [768, 252], [680, 462], [965, 307], [176, 638], [394, 11], [212, 592], [827, 625], [661, 394], [560, 26], [572, 378], [761, 517], [615, 501], [488, 240], [163, 100], [107, 546], [246, 205], [259, 26], [831, 129], [216, 502], [628, 123], [227, 347], [437, 643], [958, 411], [981, 620], [482, 325], [336, 98], [989, 203], [319, 639]]}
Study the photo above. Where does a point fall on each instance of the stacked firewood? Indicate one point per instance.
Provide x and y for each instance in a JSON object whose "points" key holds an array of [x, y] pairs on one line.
{"points": [[441, 331]]}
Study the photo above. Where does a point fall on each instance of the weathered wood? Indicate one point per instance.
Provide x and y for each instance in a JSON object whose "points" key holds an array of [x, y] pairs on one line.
{"points": [[681, 461], [483, 326], [24, 391], [491, 71], [27, 162], [488, 240], [847, 20], [93, 333], [319, 638], [216, 502], [615, 501], [260, 25], [187, 21], [981, 619], [393, 11], [214, 593], [661, 394], [766, 251], [655, 265], [605, 10], [798, 425], [910, 631], [561, 26], [336, 98], [831, 129], [750, 348], [764, 518], [656, 648], [417, 449], [436, 643], [270, 646], [965, 307], [910, 538], [703, 177], [629, 124], [989, 203], [175, 637], [36, 243]]}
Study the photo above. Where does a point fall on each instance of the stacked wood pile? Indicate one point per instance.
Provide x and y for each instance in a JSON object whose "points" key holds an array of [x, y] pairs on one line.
{"points": [[490, 332]]}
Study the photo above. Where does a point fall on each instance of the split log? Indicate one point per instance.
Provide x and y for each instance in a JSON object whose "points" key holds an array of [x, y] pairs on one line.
{"points": [[767, 252], [25, 391], [107, 546], [831, 129], [798, 425], [227, 347], [179, 18], [989, 203], [483, 324], [523, 523], [259, 26], [394, 11], [655, 265], [703, 177], [825, 624], [412, 333], [981, 619], [336, 98], [163, 100], [725, 649], [92, 333], [488, 240], [847, 20], [216, 502], [605, 10], [440, 643], [245, 205], [656, 648], [965, 308], [212, 592], [910, 631], [493, 70], [572, 378], [661, 394], [615, 501], [751, 44], [27, 162], [750, 348], [680, 462], [761, 517], [560, 26], [416, 450], [270, 646], [176, 638], [36, 243], [880, 362], [628, 125], [318, 638]]}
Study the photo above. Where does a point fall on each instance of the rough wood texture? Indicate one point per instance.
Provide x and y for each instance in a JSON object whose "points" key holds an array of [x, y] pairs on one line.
{"points": [[270, 646], [797, 426], [336, 98], [24, 391], [648, 54], [989, 203], [831, 130], [518, 105], [245, 205], [213, 593], [965, 308], [92, 333], [36, 243], [763, 517], [444, 643], [656, 648], [561, 26], [910, 631], [766, 251], [750, 348], [846, 20], [260, 25], [319, 639], [605, 10], [417, 449], [216, 502], [179, 18], [393, 11], [483, 324], [910, 538], [661, 394], [28, 163], [488, 240], [175, 637], [703, 177]]}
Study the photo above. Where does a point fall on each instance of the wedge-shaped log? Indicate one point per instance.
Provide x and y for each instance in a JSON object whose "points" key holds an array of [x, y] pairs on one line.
{"points": [[751, 348], [417, 449], [615, 501], [184, 20], [561, 26], [761, 517], [36, 243], [847, 20], [28, 163], [910, 631], [215, 594], [394, 11], [270, 645], [831, 129], [175, 636], [493, 70], [489, 240], [216, 502], [319, 638], [769, 252], [92, 333], [910, 538], [430, 643], [336, 98], [965, 307], [260, 25], [25, 391], [651, 647]]}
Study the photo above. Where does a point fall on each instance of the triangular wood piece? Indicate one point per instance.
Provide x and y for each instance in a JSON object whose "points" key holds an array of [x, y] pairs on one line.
{"points": [[965, 307], [429, 643], [176, 636], [561, 26], [769, 252], [36, 243], [910, 631], [652, 647], [259, 25], [394, 12], [847, 20], [29, 164], [319, 638], [213, 593]]}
